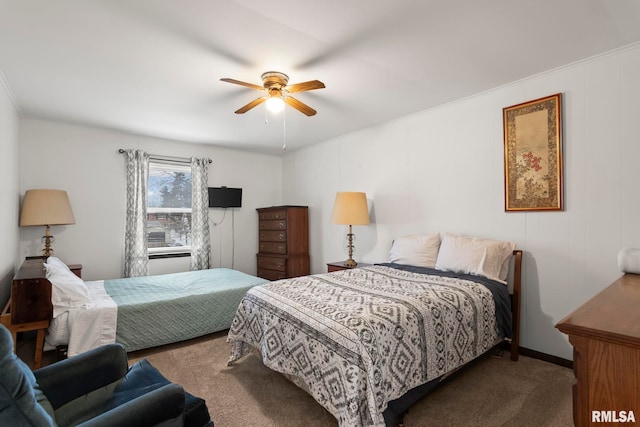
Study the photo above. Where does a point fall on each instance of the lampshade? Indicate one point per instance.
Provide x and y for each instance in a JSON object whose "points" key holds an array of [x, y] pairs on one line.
{"points": [[350, 208], [46, 207]]}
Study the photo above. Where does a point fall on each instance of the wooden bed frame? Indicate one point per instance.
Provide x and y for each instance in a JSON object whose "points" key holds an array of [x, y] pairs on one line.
{"points": [[397, 408], [515, 304]]}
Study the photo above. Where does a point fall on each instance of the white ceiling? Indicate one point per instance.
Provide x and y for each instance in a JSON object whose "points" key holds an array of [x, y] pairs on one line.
{"points": [[153, 67]]}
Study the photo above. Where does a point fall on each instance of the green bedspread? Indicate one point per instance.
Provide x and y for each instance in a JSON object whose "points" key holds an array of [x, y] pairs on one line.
{"points": [[163, 309]]}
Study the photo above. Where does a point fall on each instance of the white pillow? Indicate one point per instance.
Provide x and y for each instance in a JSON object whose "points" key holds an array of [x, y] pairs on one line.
{"points": [[470, 255], [419, 250], [56, 261], [68, 291]]}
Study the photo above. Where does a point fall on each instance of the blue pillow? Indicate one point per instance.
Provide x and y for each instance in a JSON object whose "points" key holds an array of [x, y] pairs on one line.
{"points": [[21, 401]]}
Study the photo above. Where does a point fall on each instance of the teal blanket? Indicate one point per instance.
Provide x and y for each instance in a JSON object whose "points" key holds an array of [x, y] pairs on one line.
{"points": [[158, 310]]}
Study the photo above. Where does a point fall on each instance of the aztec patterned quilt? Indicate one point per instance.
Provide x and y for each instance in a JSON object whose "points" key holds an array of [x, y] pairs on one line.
{"points": [[357, 339]]}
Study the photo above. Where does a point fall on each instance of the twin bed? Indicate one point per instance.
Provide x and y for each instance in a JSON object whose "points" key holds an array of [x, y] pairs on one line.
{"points": [[144, 312], [368, 342]]}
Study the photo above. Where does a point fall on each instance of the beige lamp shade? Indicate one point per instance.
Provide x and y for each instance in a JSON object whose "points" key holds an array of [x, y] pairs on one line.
{"points": [[46, 207], [350, 208]]}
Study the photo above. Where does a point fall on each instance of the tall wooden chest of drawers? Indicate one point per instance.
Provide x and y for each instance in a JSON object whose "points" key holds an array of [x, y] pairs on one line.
{"points": [[283, 242]]}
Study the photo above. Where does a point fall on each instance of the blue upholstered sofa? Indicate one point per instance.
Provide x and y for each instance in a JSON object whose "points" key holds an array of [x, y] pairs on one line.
{"points": [[96, 388]]}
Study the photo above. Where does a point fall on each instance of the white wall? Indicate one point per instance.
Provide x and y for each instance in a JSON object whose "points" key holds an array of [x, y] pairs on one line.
{"points": [[9, 190], [85, 162], [442, 170]]}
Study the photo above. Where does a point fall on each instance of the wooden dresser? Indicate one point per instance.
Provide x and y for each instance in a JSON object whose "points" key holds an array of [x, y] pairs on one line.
{"points": [[283, 242], [605, 334]]}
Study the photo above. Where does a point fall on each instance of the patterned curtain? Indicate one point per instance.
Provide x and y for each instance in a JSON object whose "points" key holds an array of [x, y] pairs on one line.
{"points": [[200, 242], [136, 259]]}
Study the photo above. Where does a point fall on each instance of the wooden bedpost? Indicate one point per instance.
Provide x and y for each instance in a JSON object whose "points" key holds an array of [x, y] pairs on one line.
{"points": [[515, 305]]}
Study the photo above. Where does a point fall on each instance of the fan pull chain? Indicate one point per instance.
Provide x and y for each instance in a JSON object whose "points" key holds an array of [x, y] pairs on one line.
{"points": [[284, 130]]}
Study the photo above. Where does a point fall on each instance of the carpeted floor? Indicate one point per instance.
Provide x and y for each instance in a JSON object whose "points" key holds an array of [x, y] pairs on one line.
{"points": [[491, 392]]}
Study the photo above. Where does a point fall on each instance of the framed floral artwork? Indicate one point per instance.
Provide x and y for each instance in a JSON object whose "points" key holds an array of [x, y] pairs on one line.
{"points": [[533, 155]]}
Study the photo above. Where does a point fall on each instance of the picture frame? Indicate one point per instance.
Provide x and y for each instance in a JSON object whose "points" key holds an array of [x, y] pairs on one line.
{"points": [[533, 155]]}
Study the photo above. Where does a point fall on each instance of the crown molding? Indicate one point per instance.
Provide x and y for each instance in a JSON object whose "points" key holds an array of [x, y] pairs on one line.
{"points": [[7, 88]]}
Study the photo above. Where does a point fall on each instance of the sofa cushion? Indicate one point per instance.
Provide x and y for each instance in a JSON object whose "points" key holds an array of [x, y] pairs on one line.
{"points": [[21, 401], [142, 378], [85, 407]]}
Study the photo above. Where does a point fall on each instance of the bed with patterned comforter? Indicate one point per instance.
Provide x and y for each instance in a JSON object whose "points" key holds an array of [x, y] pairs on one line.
{"points": [[358, 339]]}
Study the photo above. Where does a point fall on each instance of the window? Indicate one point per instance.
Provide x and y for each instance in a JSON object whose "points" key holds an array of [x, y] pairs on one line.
{"points": [[169, 208]]}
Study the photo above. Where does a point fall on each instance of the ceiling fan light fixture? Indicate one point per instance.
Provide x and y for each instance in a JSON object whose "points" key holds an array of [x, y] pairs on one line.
{"points": [[275, 104], [278, 91]]}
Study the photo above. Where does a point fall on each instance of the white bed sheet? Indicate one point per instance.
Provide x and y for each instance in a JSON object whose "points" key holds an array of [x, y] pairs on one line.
{"points": [[83, 329]]}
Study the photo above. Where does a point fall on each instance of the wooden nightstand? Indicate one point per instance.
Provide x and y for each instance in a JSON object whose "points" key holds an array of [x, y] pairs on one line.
{"points": [[339, 265], [29, 307], [76, 269]]}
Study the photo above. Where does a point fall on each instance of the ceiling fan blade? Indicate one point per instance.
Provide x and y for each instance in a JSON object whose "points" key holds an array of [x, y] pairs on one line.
{"points": [[238, 82], [250, 105], [310, 85], [300, 106]]}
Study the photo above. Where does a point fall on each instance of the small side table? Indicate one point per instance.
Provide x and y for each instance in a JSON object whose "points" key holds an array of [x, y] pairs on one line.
{"points": [[31, 273], [339, 265], [41, 326]]}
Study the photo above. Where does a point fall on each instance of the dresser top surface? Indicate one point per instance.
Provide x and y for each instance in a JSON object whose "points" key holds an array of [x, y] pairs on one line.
{"points": [[612, 315], [282, 207]]}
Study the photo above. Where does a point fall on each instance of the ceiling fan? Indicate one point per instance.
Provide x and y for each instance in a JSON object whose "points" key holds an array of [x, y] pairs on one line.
{"points": [[275, 84]]}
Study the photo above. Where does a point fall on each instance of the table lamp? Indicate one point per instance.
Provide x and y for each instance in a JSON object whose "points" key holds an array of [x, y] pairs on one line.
{"points": [[46, 207], [350, 208]]}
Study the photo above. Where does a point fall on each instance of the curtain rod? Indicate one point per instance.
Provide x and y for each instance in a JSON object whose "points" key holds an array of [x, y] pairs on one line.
{"points": [[167, 158]]}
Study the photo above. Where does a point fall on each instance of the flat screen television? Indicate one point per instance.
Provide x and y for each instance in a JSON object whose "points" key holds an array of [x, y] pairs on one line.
{"points": [[225, 197]]}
